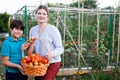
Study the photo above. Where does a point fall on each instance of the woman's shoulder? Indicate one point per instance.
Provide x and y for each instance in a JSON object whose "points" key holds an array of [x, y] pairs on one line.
{"points": [[52, 26]]}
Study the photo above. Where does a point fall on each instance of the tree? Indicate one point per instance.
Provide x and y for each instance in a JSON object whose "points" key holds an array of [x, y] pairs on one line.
{"points": [[4, 22], [87, 4]]}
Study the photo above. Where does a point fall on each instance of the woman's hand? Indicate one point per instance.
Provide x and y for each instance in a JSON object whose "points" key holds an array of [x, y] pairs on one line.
{"points": [[32, 39], [49, 55], [28, 43]]}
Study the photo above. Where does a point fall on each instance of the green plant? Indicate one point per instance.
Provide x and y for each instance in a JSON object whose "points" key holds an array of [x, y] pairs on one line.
{"points": [[97, 63], [117, 72]]}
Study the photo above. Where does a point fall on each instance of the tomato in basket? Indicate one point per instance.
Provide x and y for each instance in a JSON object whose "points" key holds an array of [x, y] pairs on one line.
{"points": [[35, 60], [23, 60], [44, 60], [36, 63], [38, 57], [31, 55], [27, 59], [30, 64]]}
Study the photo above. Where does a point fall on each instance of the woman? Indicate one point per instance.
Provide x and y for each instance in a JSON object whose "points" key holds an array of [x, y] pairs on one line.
{"points": [[51, 36]]}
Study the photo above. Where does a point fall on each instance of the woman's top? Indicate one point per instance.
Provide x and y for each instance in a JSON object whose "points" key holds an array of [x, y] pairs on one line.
{"points": [[12, 48], [52, 37]]}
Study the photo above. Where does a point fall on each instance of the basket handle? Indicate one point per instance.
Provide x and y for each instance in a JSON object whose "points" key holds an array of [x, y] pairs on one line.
{"points": [[42, 42], [22, 53]]}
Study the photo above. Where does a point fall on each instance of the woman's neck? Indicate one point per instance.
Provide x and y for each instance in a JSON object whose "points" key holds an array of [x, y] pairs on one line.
{"points": [[43, 25], [42, 28]]}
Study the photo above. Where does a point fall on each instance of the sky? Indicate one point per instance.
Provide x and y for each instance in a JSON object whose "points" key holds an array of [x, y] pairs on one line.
{"points": [[12, 6]]}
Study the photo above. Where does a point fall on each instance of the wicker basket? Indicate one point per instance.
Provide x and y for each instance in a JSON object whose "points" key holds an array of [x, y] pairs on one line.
{"points": [[35, 70]]}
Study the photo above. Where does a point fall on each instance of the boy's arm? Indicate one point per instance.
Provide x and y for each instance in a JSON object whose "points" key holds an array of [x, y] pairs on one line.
{"points": [[6, 62]]}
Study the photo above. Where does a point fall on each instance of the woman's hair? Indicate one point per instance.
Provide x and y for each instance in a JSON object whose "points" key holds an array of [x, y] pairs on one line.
{"points": [[42, 7], [18, 24]]}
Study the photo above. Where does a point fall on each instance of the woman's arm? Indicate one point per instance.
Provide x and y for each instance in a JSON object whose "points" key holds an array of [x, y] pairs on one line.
{"points": [[31, 47], [57, 42]]}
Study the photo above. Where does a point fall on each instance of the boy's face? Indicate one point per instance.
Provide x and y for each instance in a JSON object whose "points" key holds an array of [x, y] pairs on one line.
{"points": [[16, 33]]}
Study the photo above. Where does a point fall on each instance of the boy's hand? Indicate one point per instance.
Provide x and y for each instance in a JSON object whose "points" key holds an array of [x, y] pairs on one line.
{"points": [[21, 69], [25, 46]]}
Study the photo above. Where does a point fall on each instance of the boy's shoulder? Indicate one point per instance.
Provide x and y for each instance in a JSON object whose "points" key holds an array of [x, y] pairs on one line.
{"points": [[6, 41], [10, 39]]}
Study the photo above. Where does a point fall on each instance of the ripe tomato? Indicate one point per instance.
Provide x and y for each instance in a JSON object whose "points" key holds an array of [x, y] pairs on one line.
{"points": [[40, 63], [44, 60], [37, 57], [27, 60], [31, 55], [33, 60], [23, 60]]}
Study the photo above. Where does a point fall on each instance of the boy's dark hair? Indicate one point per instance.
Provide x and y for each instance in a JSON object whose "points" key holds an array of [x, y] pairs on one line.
{"points": [[18, 24]]}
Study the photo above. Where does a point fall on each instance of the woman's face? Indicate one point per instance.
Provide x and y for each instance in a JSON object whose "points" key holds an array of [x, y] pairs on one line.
{"points": [[16, 33], [42, 16]]}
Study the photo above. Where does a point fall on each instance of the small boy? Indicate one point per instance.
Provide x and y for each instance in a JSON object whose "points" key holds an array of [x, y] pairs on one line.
{"points": [[12, 52]]}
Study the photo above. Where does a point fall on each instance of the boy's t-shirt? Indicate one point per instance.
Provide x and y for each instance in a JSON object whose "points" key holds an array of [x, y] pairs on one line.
{"points": [[12, 49]]}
